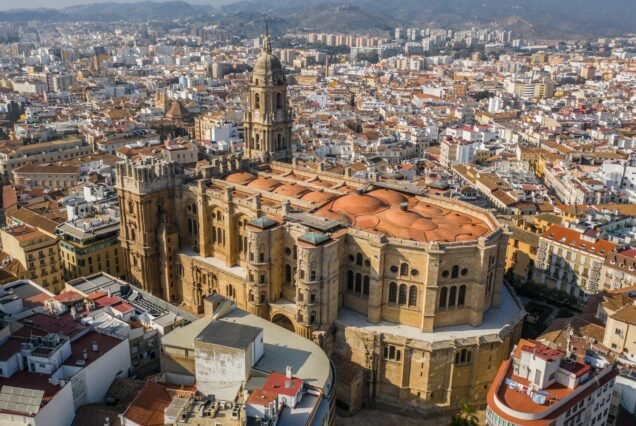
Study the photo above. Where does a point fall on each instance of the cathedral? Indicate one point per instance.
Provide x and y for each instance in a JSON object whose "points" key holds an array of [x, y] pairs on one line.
{"points": [[403, 289]]}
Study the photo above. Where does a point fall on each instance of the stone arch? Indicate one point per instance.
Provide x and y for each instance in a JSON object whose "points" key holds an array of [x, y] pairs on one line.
{"points": [[284, 321]]}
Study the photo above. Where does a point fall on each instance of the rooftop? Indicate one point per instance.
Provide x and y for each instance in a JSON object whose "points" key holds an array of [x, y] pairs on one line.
{"points": [[404, 216], [282, 348], [497, 322], [229, 334]]}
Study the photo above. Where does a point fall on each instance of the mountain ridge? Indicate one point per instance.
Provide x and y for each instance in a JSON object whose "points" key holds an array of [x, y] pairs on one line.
{"points": [[547, 18]]}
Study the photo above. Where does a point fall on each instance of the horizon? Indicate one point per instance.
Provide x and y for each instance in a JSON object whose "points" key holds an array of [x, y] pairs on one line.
{"points": [[6, 5]]}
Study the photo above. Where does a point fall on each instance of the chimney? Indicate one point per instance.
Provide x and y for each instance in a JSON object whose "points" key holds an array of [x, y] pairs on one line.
{"points": [[288, 372]]}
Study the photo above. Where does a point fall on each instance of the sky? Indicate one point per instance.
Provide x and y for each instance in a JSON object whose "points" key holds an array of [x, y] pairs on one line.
{"points": [[29, 4]]}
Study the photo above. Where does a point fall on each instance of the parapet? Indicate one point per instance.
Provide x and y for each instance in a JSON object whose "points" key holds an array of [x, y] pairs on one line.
{"points": [[149, 175]]}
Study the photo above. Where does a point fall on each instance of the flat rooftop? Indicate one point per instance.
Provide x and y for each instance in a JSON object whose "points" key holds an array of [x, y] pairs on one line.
{"points": [[229, 334], [282, 348], [496, 322]]}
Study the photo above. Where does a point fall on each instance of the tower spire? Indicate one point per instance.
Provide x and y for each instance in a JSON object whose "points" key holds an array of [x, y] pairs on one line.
{"points": [[267, 44]]}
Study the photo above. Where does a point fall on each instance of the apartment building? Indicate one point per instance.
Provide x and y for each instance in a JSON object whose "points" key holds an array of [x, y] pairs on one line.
{"points": [[542, 385], [47, 175], [37, 252], [571, 260], [13, 156]]}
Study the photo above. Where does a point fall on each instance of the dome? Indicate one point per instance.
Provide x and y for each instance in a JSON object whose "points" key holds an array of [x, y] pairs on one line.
{"points": [[267, 63], [355, 204], [389, 196], [427, 209], [268, 66], [263, 184], [401, 218], [456, 218], [240, 178], [290, 190], [317, 197]]}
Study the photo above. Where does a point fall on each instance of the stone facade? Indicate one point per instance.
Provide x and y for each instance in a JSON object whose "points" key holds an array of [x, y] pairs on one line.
{"points": [[397, 284]]}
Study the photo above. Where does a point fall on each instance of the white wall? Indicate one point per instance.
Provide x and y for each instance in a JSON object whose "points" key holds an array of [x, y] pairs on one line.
{"points": [[60, 411], [101, 373]]}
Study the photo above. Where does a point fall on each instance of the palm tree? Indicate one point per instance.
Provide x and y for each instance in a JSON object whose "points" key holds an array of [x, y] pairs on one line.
{"points": [[467, 415]]}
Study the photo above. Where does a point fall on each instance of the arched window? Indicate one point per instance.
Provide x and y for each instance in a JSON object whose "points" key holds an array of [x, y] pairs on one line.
{"points": [[402, 297], [455, 271], [443, 294], [358, 283], [219, 216], [279, 101], [350, 280], [257, 101], [392, 292], [452, 296], [404, 269], [288, 274], [365, 286], [461, 297], [359, 259], [413, 296]]}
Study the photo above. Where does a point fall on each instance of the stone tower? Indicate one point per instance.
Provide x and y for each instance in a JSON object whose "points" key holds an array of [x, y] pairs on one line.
{"points": [[148, 232], [268, 120]]}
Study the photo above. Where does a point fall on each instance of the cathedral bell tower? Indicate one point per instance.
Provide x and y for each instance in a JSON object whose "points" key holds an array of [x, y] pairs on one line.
{"points": [[268, 121]]}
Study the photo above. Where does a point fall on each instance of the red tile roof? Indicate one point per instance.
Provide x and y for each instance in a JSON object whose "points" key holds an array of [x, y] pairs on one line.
{"points": [[147, 409], [573, 239]]}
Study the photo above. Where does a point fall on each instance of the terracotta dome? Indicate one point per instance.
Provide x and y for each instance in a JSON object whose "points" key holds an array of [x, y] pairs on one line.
{"points": [[240, 178], [389, 196], [388, 212], [317, 197], [456, 218], [355, 204], [428, 210], [424, 225], [290, 190], [400, 218], [322, 183], [367, 221], [263, 184]]}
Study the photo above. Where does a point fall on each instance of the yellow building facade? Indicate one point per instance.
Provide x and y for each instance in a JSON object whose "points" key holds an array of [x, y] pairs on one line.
{"points": [[37, 253]]}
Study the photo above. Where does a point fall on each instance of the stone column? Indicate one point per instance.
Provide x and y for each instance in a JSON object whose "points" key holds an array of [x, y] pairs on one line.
{"points": [[376, 284]]}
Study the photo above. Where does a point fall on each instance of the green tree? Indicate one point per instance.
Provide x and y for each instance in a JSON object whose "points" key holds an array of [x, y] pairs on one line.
{"points": [[467, 415]]}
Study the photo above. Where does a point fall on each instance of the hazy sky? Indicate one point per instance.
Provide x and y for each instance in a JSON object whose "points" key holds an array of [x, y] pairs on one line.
{"points": [[27, 4]]}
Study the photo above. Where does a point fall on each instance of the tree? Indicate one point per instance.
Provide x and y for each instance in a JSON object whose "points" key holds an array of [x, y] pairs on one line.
{"points": [[467, 415]]}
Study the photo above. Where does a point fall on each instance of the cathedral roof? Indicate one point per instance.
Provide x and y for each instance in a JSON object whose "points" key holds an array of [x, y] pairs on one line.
{"points": [[314, 238], [262, 222], [398, 215]]}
